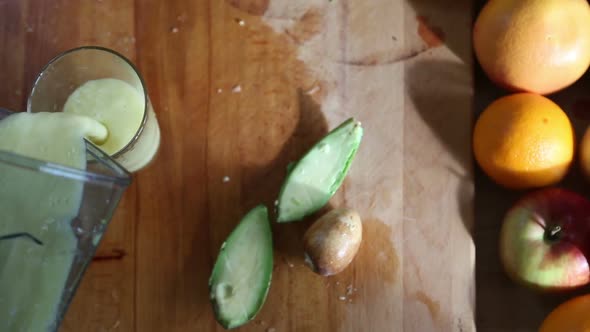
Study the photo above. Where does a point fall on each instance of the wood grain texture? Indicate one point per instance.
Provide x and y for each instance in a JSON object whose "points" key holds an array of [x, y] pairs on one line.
{"points": [[242, 88]]}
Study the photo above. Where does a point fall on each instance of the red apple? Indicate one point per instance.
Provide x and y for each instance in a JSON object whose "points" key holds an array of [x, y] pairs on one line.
{"points": [[545, 240]]}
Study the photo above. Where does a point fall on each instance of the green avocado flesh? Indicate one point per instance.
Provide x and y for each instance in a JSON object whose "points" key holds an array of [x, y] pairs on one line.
{"points": [[241, 276], [313, 180]]}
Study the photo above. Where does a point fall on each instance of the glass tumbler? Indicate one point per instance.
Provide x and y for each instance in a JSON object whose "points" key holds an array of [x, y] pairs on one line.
{"points": [[69, 70]]}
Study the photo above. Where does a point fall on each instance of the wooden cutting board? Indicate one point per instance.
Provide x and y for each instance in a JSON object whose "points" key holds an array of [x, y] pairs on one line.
{"points": [[243, 87]]}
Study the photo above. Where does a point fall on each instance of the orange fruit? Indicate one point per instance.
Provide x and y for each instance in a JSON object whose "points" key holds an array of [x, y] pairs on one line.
{"points": [[539, 46], [571, 316], [524, 141]]}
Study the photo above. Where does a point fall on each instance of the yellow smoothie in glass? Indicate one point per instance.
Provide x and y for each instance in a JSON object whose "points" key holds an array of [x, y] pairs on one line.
{"points": [[121, 108], [32, 276]]}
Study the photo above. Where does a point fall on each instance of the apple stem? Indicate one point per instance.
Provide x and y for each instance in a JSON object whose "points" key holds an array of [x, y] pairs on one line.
{"points": [[554, 233]]}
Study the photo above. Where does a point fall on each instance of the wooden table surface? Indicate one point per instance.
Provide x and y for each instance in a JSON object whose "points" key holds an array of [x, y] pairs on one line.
{"points": [[243, 87]]}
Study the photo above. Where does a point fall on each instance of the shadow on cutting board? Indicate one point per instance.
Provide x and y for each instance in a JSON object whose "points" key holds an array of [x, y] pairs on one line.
{"points": [[440, 91], [260, 183], [265, 184], [438, 16]]}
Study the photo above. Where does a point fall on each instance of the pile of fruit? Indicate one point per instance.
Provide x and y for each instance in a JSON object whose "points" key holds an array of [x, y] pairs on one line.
{"points": [[525, 141]]}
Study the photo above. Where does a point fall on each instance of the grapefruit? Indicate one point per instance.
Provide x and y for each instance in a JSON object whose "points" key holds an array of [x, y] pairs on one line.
{"points": [[539, 46]]}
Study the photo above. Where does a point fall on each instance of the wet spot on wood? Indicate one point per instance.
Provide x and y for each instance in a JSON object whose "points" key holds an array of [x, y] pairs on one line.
{"points": [[373, 272], [432, 306], [383, 58], [309, 25], [114, 255], [377, 256], [253, 7], [431, 35]]}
